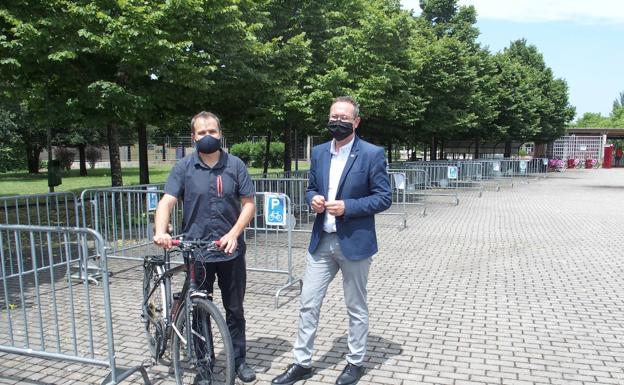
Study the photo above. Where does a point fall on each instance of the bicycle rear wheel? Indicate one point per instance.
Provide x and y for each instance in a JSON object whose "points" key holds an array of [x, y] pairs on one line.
{"points": [[211, 360], [153, 311]]}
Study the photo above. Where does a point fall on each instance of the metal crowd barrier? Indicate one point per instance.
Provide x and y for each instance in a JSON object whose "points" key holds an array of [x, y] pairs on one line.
{"points": [[42, 312], [300, 174], [434, 179], [295, 188], [415, 186], [124, 217], [52, 209], [398, 184], [269, 247], [516, 169], [475, 173]]}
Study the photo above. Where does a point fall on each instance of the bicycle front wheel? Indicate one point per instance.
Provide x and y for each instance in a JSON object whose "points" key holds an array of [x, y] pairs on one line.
{"points": [[153, 311], [210, 358]]}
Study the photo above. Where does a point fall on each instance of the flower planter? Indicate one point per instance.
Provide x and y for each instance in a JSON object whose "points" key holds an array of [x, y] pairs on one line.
{"points": [[589, 163]]}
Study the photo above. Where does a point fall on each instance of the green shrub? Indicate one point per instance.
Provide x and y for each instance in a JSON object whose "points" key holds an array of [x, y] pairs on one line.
{"points": [[65, 156], [11, 158], [276, 155], [253, 153], [257, 154], [242, 150]]}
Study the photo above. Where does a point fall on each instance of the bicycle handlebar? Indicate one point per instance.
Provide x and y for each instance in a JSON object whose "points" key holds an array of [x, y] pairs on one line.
{"points": [[196, 243]]}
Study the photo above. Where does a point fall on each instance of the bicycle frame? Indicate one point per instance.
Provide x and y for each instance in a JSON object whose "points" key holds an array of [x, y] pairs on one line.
{"points": [[189, 288]]}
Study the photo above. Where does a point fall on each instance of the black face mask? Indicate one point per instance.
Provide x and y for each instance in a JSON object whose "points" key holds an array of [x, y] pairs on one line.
{"points": [[208, 144], [339, 129]]}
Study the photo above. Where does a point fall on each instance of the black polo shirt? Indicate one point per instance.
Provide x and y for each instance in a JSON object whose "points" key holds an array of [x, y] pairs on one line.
{"points": [[211, 198]]}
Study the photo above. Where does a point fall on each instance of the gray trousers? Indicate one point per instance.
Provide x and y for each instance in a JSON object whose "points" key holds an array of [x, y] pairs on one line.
{"points": [[321, 268]]}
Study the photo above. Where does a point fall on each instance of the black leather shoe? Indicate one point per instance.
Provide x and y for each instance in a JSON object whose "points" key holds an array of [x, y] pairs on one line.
{"points": [[350, 375], [293, 374], [245, 373]]}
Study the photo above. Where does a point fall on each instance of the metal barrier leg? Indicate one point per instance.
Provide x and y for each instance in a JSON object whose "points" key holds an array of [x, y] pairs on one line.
{"points": [[288, 284], [125, 373]]}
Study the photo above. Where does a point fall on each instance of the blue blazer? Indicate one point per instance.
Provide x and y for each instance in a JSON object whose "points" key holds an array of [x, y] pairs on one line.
{"points": [[365, 189]]}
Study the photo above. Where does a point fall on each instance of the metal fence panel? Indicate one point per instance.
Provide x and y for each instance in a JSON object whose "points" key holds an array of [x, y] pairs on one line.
{"points": [[42, 312], [52, 209], [125, 216], [269, 248]]}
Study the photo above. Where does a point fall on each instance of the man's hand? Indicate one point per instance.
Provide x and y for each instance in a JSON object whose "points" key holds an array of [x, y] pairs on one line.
{"points": [[163, 240], [229, 243], [318, 204], [335, 208]]}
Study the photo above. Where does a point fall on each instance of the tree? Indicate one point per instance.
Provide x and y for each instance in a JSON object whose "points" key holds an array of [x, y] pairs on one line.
{"points": [[619, 101], [553, 106]]}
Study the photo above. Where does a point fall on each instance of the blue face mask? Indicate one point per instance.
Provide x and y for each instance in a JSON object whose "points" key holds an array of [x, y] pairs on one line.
{"points": [[208, 144]]}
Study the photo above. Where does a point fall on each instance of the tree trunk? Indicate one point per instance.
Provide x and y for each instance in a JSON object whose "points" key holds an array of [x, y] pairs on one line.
{"points": [[83, 160], [389, 153], [32, 156], [507, 149], [539, 151], [434, 148], [112, 131], [424, 152], [296, 147], [265, 168], [477, 151], [143, 163], [287, 148]]}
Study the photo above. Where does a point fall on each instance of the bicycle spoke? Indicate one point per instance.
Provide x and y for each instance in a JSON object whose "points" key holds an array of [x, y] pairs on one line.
{"points": [[206, 363]]}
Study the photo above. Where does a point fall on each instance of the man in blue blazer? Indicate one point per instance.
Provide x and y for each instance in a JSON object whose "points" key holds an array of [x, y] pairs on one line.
{"points": [[348, 185]]}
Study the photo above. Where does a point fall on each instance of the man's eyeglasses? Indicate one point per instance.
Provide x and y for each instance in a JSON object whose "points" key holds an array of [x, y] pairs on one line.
{"points": [[344, 118]]}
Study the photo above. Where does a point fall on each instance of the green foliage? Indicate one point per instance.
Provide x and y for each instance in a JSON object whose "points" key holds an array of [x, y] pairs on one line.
{"points": [[253, 153], [11, 159], [90, 72], [243, 151]]}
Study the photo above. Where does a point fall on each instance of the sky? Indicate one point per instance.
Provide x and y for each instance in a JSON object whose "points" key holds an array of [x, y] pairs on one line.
{"points": [[581, 41]]}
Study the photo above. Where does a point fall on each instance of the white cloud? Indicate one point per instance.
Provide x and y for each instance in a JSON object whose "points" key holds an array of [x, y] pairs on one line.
{"points": [[587, 12]]}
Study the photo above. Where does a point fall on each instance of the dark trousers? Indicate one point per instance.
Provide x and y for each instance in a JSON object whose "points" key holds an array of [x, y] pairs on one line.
{"points": [[232, 278]]}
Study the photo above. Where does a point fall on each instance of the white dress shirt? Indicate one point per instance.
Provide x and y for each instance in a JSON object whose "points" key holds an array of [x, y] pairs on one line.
{"points": [[338, 161]]}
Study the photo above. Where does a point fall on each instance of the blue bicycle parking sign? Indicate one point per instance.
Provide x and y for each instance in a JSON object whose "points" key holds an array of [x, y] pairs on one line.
{"points": [[452, 172], [152, 199], [275, 209]]}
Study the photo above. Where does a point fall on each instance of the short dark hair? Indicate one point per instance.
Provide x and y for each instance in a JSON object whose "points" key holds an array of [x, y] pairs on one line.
{"points": [[350, 100], [204, 115]]}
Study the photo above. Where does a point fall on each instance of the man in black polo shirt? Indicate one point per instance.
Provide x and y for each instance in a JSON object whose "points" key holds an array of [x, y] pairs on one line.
{"points": [[218, 198]]}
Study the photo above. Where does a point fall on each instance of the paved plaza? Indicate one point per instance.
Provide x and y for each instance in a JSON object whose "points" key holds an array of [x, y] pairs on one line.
{"points": [[521, 286]]}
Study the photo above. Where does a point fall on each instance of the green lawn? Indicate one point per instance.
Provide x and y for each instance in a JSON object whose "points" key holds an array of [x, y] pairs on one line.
{"points": [[16, 183]]}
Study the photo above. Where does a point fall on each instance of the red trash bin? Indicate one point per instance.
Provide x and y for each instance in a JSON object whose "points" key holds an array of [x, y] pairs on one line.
{"points": [[608, 156]]}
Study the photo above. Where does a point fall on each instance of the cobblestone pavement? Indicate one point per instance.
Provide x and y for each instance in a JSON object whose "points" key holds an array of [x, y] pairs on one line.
{"points": [[522, 286]]}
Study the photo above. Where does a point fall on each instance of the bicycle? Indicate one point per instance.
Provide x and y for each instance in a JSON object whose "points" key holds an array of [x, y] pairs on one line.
{"points": [[201, 354]]}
